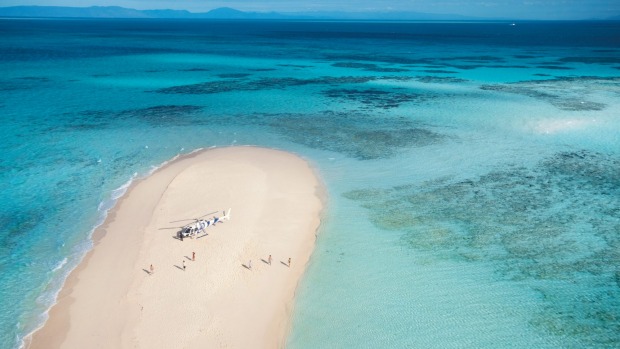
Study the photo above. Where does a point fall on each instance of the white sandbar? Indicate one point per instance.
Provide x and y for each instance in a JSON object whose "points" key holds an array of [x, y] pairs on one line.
{"points": [[111, 301]]}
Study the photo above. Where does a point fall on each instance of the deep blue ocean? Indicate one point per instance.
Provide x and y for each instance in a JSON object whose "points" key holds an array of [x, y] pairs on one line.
{"points": [[473, 168]]}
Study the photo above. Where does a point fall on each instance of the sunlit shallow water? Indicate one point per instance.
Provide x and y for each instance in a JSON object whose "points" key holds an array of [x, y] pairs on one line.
{"points": [[472, 169]]}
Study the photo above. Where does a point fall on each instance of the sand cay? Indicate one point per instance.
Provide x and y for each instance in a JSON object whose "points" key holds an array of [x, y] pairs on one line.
{"points": [[112, 301]]}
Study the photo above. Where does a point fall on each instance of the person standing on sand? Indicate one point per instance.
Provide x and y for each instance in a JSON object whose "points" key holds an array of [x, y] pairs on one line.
{"points": [[269, 260], [151, 269], [184, 265], [181, 236], [289, 262], [193, 256], [250, 264]]}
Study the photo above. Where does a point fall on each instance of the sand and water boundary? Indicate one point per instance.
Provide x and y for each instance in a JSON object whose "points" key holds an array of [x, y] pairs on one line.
{"points": [[218, 300]]}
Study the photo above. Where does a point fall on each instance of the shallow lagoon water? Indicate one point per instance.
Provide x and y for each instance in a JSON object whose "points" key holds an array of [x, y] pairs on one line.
{"points": [[472, 168]]}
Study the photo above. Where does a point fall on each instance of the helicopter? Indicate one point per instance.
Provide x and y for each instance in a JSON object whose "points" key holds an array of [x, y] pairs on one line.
{"points": [[198, 227]]}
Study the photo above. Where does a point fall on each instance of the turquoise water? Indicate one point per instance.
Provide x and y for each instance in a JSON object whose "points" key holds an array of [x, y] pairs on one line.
{"points": [[473, 169]]}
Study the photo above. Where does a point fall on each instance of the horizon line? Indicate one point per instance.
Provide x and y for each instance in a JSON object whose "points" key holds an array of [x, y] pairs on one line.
{"points": [[321, 15]]}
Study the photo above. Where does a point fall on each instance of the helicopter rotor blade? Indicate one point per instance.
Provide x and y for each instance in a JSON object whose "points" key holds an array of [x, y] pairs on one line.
{"points": [[181, 220], [207, 214], [194, 219]]}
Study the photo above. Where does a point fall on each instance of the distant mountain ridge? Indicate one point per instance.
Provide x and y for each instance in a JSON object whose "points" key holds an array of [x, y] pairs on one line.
{"points": [[71, 12], [225, 13], [219, 13]]}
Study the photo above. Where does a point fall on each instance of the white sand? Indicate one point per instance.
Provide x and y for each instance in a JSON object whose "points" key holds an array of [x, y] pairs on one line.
{"points": [[110, 301]]}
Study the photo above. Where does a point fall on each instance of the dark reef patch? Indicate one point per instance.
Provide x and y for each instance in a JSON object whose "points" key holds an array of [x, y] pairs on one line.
{"points": [[554, 67], [24, 83], [36, 78], [161, 115], [233, 75], [369, 67], [377, 58], [467, 66], [282, 83], [439, 71], [195, 69], [164, 114], [88, 120], [17, 223], [295, 66], [221, 86], [564, 103], [429, 66], [566, 93], [592, 60], [357, 135], [369, 63], [554, 227], [505, 66], [6, 86], [440, 79], [377, 98], [475, 59]]}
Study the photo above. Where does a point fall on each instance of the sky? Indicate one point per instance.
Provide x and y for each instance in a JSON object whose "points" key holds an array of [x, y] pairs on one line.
{"points": [[517, 9]]}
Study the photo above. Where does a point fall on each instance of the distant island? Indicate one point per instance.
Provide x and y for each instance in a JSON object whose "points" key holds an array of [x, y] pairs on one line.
{"points": [[230, 13], [219, 13]]}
